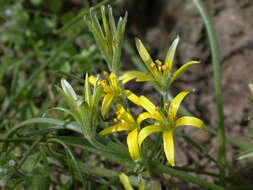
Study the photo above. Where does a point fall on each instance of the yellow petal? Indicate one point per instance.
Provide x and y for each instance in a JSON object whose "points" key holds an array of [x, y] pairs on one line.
{"points": [[138, 75], [107, 100], [175, 104], [168, 145], [107, 88], [181, 70], [125, 181], [133, 146], [147, 105], [151, 108], [170, 55], [190, 121], [92, 79], [146, 58], [113, 82], [146, 131], [144, 116], [132, 97], [114, 128], [125, 115]]}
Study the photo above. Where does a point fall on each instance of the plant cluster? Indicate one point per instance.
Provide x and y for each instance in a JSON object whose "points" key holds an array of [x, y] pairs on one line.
{"points": [[96, 138]]}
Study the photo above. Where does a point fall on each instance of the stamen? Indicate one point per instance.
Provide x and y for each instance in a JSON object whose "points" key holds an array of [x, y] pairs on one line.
{"points": [[158, 62], [164, 67], [166, 104], [106, 74], [102, 82], [152, 65]]}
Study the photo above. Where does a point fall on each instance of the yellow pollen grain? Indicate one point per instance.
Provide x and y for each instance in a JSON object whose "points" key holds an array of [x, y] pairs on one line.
{"points": [[106, 74], [166, 104], [158, 62], [164, 67], [152, 65]]}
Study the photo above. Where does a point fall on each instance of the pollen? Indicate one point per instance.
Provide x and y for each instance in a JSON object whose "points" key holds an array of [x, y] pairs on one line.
{"points": [[102, 82], [158, 62], [166, 104], [153, 65], [106, 74], [164, 67]]}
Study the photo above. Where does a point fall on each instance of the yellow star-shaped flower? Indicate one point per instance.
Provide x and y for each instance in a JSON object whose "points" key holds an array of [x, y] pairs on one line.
{"points": [[158, 72], [126, 122], [165, 122], [112, 90]]}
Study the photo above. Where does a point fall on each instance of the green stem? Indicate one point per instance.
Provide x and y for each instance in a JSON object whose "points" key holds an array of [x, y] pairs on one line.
{"points": [[16, 140], [217, 84], [197, 171], [158, 168]]}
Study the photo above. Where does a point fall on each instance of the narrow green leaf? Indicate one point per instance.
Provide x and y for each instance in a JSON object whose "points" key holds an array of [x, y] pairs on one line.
{"points": [[156, 167], [120, 154], [112, 21], [67, 112], [104, 21], [87, 89], [246, 154], [86, 122], [42, 121]]}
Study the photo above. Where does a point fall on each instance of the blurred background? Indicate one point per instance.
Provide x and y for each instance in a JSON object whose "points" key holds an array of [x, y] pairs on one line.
{"points": [[42, 41]]}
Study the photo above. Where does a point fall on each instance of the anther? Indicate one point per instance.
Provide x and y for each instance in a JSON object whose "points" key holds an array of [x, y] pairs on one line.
{"points": [[164, 67], [152, 65], [158, 62], [106, 74], [166, 104]]}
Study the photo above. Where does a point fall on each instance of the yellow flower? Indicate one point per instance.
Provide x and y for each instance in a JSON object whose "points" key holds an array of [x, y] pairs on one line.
{"points": [[126, 122], [159, 73], [165, 123], [111, 90]]}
